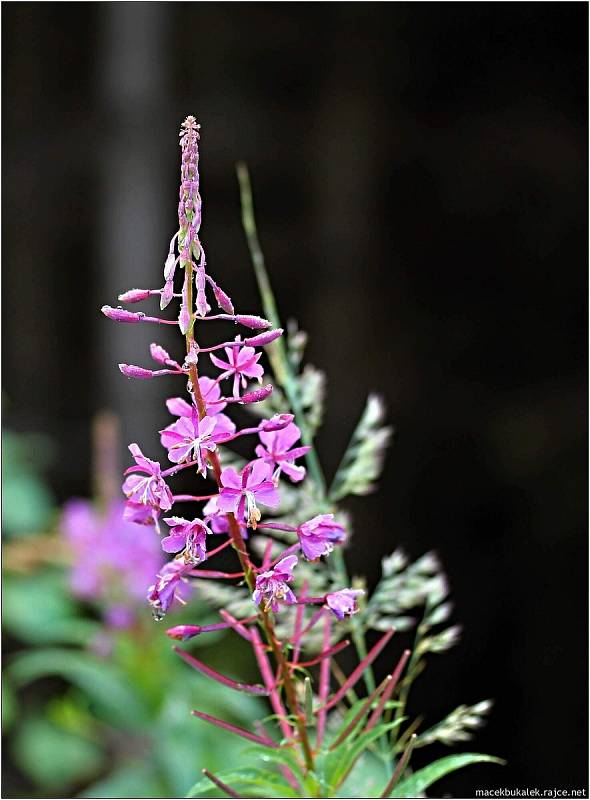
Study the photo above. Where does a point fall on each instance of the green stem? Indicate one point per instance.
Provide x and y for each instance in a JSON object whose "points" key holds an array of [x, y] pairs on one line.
{"points": [[277, 352]]}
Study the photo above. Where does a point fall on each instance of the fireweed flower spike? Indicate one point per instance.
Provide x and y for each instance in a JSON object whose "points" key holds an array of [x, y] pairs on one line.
{"points": [[273, 573]]}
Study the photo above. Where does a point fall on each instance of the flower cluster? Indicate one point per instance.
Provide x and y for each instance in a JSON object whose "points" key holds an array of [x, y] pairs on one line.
{"points": [[193, 440]]}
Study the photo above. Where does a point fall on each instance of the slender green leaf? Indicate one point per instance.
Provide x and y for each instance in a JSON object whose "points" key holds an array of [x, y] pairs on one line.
{"points": [[425, 777]]}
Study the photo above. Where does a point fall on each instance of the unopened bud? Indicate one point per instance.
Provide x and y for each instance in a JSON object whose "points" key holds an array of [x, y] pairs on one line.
{"points": [[222, 299], [134, 295], [276, 423], [159, 354], [121, 315], [257, 396], [250, 321], [169, 266], [131, 371], [183, 632], [167, 294], [264, 338]]}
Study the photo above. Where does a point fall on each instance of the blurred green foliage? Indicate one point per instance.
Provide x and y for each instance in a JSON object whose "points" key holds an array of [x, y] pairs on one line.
{"points": [[87, 710]]}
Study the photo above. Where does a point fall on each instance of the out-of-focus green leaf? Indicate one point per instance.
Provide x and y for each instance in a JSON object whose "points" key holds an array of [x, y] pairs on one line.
{"points": [[37, 609], [52, 757], [368, 778], [425, 777], [136, 779], [104, 683], [9, 705], [27, 503]]}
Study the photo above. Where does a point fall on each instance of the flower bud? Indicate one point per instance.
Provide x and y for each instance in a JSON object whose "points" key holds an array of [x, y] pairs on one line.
{"points": [[167, 294], [250, 321], [134, 295], [131, 371], [183, 632], [121, 315], [257, 396], [276, 423], [169, 266], [264, 338], [221, 298], [159, 354], [202, 304]]}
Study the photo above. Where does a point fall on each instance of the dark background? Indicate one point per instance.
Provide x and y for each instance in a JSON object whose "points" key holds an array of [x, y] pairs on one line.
{"points": [[420, 178]]}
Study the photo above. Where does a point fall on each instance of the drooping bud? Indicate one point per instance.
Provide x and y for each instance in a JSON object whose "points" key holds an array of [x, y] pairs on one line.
{"points": [[134, 295], [121, 315], [251, 321], [169, 266], [264, 338], [202, 304], [257, 396], [167, 294], [221, 298], [184, 318]]}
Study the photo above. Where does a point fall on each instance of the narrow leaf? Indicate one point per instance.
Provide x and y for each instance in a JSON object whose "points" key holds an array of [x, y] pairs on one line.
{"points": [[376, 715], [220, 784], [417, 783], [217, 676], [399, 770], [356, 673], [253, 737]]}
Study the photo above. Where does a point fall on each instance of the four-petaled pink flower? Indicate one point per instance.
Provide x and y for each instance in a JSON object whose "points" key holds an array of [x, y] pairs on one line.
{"points": [[170, 586], [151, 490], [275, 450], [272, 586], [318, 536], [187, 535], [241, 492], [242, 363], [343, 603], [190, 438]]}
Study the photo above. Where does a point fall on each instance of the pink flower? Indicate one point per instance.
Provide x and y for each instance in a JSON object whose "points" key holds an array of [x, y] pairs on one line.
{"points": [[272, 586], [189, 536], [151, 490], [190, 438], [343, 603], [318, 536], [275, 450], [170, 586], [242, 492], [242, 363]]}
